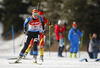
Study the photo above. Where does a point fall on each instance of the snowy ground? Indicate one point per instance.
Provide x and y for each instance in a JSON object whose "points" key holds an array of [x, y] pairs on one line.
{"points": [[49, 62], [6, 51]]}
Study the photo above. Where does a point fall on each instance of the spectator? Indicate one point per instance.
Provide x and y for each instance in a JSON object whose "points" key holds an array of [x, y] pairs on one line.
{"points": [[95, 45], [89, 49], [73, 37], [59, 37]]}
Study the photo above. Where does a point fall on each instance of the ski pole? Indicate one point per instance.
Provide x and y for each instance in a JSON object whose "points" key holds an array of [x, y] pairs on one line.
{"points": [[64, 32], [65, 43], [22, 40], [79, 47], [80, 44], [49, 40], [13, 40], [81, 41]]}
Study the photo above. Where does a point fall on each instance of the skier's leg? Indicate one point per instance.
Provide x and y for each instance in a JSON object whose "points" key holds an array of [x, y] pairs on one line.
{"points": [[30, 36], [76, 49], [75, 55], [29, 48], [35, 50], [71, 55], [62, 45], [21, 53], [71, 49], [62, 48], [95, 55], [25, 47], [58, 51], [41, 53], [90, 55], [41, 44]]}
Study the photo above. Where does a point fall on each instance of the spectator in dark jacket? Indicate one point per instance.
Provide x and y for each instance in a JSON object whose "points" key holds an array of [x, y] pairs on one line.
{"points": [[95, 45], [89, 49]]}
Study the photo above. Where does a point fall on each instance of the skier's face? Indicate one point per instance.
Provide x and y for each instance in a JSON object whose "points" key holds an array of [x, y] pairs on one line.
{"points": [[35, 15], [90, 36], [60, 24], [95, 35], [74, 26]]}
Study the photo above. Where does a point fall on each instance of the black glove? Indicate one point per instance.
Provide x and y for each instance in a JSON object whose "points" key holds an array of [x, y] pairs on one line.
{"points": [[57, 40], [65, 24], [25, 32]]}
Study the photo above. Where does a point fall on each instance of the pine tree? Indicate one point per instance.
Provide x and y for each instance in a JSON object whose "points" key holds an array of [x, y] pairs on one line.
{"points": [[11, 15], [85, 13]]}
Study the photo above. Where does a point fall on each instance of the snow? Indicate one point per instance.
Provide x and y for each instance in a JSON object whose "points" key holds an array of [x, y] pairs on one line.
{"points": [[6, 51], [49, 62]]}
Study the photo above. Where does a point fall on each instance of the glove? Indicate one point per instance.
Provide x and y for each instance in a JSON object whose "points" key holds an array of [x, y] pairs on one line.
{"points": [[57, 40], [65, 24], [51, 25], [25, 32], [44, 31]]}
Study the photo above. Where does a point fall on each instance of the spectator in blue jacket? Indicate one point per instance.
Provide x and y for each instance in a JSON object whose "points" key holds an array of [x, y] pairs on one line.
{"points": [[73, 36]]}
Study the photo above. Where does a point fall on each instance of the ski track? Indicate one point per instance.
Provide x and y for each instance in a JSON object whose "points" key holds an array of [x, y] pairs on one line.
{"points": [[6, 51], [49, 62]]}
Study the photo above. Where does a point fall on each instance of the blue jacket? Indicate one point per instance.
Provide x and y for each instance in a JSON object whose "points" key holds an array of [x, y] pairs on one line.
{"points": [[73, 35]]}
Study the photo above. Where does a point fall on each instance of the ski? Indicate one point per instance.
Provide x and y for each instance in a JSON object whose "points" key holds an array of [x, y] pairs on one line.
{"points": [[14, 62], [16, 58], [97, 60], [84, 59], [38, 63]]}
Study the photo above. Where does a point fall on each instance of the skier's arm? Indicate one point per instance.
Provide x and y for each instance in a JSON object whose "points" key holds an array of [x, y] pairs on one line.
{"points": [[93, 43], [96, 43], [42, 21], [49, 23], [70, 35], [25, 24], [80, 33], [57, 32], [64, 27]]}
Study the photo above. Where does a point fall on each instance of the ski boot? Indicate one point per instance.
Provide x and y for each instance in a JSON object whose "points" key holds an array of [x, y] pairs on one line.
{"points": [[24, 56], [41, 58], [70, 55], [75, 55], [35, 58], [18, 59]]}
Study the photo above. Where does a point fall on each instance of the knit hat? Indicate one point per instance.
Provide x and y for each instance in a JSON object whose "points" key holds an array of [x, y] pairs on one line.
{"points": [[34, 12], [60, 22], [74, 23], [41, 13]]}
